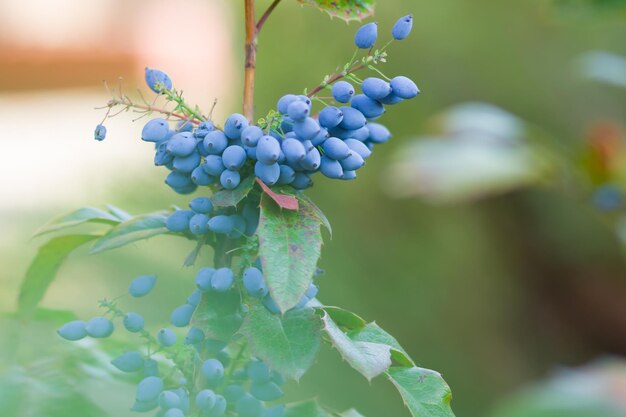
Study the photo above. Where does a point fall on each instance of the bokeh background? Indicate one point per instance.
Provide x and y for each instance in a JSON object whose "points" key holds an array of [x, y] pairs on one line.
{"points": [[523, 288]]}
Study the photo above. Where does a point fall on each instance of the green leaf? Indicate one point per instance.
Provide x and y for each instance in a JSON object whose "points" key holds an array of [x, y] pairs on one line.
{"points": [[369, 359], [75, 218], [306, 409], [345, 319], [230, 198], [44, 267], [425, 393], [372, 333], [218, 315], [288, 343], [123, 215], [290, 244], [318, 213], [351, 413], [137, 228], [344, 9]]}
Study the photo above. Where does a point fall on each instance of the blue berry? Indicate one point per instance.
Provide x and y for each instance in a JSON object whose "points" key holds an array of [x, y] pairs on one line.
{"points": [[312, 160], [358, 147], [205, 399], [330, 117], [149, 389], [178, 180], [181, 316], [186, 164], [74, 330], [266, 391], [307, 129], [402, 28], [166, 337], [312, 291], [298, 111], [234, 157], [253, 282], [100, 133], [343, 91], [335, 148], [285, 101], [194, 298], [404, 87], [142, 285], [233, 393], [234, 125], [222, 280], [201, 205], [181, 144], [230, 179], [221, 224], [219, 408], [348, 175], [174, 412], [215, 142], [269, 174], [194, 336], [150, 368], [161, 156], [287, 175], [203, 129], [128, 362], [302, 181], [200, 177], [366, 36], [99, 327], [168, 400], [198, 224], [133, 322], [214, 165], [212, 370], [250, 135], [248, 406], [184, 126], [203, 278], [378, 133], [293, 149], [321, 137], [371, 109], [178, 221], [376, 88], [352, 119], [157, 80], [258, 371], [391, 99], [352, 163], [331, 168], [267, 150]]}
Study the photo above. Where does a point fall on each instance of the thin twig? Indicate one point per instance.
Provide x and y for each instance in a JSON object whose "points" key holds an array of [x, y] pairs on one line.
{"points": [[267, 14]]}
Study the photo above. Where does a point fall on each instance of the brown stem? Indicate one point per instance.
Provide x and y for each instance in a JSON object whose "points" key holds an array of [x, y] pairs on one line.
{"points": [[267, 14], [334, 78], [250, 64], [117, 102]]}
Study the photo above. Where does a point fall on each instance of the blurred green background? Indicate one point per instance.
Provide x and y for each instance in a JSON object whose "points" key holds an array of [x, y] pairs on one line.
{"points": [[494, 294]]}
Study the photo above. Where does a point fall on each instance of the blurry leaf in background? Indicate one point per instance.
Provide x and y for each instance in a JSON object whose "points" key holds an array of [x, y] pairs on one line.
{"points": [[44, 267], [604, 67], [344, 9], [138, 228], [482, 151], [80, 216], [595, 390]]}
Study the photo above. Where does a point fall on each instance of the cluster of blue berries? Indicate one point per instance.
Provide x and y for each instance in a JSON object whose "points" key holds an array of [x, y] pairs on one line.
{"points": [[202, 218], [336, 142]]}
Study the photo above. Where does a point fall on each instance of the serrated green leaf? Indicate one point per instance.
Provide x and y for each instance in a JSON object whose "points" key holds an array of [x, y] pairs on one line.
{"points": [[344, 9], [75, 218], [345, 319], [425, 393], [137, 228], [369, 359], [230, 198], [288, 343], [218, 315], [44, 267], [306, 409], [290, 244], [372, 333], [318, 213]]}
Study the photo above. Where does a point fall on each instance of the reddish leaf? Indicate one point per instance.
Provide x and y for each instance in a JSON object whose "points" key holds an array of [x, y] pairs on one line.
{"points": [[287, 202]]}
